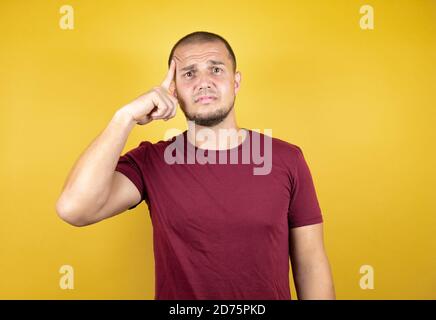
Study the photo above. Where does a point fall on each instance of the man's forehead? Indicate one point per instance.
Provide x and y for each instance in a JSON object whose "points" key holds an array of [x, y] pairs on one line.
{"points": [[192, 54]]}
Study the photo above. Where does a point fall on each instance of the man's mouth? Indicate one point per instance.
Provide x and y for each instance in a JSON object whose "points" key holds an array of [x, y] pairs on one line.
{"points": [[205, 99]]}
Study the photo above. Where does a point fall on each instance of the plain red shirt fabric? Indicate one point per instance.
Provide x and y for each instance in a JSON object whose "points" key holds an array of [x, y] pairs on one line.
{"points": [[219, 231]]}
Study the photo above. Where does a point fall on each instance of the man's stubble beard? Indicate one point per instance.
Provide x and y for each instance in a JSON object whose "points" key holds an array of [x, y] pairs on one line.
{"points": [[210, 119]]}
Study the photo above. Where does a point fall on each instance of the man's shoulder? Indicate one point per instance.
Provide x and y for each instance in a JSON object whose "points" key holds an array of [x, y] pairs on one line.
{"points": [[282, 146], [284, 153]]}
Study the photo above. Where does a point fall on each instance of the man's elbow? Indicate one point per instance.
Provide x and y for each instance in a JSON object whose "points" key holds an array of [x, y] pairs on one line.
{"points": [[314, 279], [66, 211]]}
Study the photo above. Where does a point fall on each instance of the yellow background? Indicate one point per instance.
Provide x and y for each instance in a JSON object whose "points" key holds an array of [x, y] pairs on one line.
{"points": [[360, 103]]}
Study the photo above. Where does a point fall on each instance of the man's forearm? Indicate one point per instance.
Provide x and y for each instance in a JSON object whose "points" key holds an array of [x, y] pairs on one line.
{"points": [[313, 279], [88, 183]]}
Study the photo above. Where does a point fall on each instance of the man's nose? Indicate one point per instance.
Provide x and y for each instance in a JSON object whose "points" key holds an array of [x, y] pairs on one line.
{"points": [[204, 82]]}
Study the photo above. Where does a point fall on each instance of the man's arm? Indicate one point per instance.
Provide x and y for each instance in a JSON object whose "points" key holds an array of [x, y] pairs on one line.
{"points": [[93, 190], [93, 179], [310, 265]]}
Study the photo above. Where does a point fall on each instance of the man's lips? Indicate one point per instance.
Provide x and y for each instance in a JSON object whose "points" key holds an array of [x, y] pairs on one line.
{"points": [[205, 99]]}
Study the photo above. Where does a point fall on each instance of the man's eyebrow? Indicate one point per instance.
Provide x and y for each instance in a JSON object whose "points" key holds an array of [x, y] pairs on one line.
{"points": [[192, 66]]}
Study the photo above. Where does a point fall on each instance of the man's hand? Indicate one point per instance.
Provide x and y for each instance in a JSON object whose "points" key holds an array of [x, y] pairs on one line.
{"points": [[158, 103]]}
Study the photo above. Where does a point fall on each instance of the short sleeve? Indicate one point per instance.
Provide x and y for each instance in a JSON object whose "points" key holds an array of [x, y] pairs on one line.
{"points": [[304, 208], [131, 165]]}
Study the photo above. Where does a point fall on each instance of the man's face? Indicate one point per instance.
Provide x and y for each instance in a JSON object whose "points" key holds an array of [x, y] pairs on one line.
{"points": [[205, 83]]}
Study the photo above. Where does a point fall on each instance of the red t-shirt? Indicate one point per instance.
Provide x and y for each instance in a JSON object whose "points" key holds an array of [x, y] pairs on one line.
{"points": [[220, 231]]}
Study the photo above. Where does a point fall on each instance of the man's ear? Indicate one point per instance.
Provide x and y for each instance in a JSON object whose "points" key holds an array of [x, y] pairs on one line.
{"points": [[238, 78]]}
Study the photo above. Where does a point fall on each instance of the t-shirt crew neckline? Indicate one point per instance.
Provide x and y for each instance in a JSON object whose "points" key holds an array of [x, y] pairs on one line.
{"points": [[238, 147]]}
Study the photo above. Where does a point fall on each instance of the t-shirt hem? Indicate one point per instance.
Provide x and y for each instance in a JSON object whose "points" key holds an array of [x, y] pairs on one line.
{"points": [[136, 183], [307, 222]]}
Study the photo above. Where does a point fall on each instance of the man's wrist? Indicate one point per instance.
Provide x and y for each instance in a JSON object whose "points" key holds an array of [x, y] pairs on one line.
{"points": [[124, 119]]}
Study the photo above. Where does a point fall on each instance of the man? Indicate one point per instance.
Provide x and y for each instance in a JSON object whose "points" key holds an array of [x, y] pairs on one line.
{"points": [[220, 231]]}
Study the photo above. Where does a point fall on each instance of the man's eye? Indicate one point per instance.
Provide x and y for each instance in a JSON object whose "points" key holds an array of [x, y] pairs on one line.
{"points": [[216, 68], [189, 72]]}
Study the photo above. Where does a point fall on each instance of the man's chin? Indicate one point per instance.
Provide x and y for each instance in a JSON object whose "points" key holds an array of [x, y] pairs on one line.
{"points": [[207, 115]]}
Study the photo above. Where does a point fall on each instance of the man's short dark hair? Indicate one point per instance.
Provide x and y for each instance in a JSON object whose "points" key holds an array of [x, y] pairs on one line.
{"points": [[203, 37]]}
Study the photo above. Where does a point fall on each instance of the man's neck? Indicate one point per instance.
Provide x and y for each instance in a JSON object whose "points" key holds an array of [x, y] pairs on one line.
{"points": [[225, 135]]}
